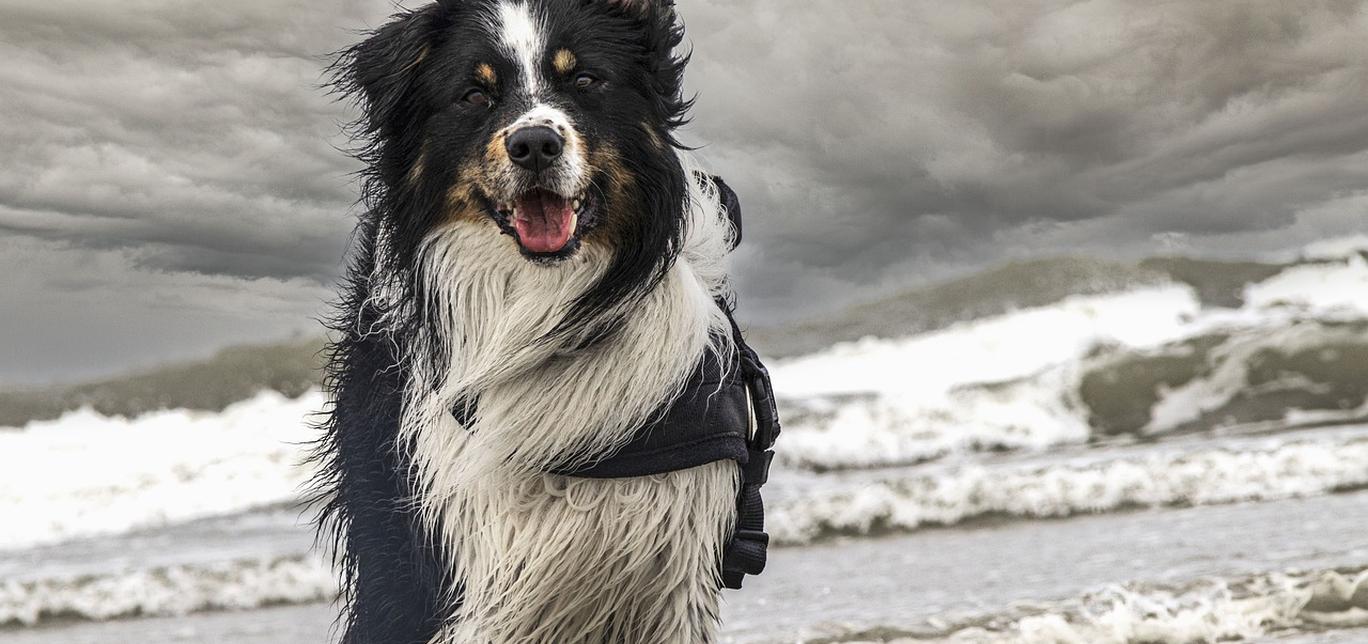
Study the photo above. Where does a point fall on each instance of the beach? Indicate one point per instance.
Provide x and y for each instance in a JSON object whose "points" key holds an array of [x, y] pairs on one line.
{"points": [[1135, 465]]}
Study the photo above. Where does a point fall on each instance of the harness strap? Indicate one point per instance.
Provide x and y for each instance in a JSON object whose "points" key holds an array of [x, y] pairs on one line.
{"points": [[727, 412], [748, 550]]}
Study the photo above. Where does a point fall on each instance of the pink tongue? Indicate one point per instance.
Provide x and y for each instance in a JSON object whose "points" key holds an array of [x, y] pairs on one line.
{"points": [[543, 221]]}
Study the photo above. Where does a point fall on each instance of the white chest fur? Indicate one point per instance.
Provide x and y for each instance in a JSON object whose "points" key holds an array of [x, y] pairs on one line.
{"points": [[545, 558]]}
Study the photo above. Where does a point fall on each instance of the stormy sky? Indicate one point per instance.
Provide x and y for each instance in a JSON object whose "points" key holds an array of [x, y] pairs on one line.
{"points": [[170, 179]]}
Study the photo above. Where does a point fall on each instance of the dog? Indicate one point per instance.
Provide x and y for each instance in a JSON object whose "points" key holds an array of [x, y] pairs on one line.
{"points": [[539, 269]]}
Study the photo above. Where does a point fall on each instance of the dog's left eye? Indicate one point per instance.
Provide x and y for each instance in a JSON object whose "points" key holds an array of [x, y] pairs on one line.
{"points": [[476, 97], [585, 80]]}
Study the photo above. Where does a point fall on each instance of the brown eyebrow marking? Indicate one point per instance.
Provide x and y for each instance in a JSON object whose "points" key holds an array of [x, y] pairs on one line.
{"points": [[564, 61], [486, 73]]}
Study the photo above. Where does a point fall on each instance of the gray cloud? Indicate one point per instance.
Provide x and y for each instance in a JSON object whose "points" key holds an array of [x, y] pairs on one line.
{"points": [[191, 131], [886, 133], [181, 155], [170, 181]]}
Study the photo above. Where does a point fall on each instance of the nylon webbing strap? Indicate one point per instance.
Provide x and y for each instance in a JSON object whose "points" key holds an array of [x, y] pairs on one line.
{"points": [[749, 547]]}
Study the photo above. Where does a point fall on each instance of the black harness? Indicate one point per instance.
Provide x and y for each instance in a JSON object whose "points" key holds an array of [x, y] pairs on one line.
{"points": [[726, 412], [722, 415]]}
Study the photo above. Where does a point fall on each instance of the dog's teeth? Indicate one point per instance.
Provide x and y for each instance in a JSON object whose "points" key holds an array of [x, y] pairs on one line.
{"points": [[576, 205]]}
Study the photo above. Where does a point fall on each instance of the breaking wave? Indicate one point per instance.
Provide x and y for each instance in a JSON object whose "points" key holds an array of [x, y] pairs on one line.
{"points": [[1144, 363], [86, 474], [1205, 611], [903, 500], [1087, 373], [168, 591]]}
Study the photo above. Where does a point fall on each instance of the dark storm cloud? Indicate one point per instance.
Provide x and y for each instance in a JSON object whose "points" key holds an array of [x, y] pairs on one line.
{"points": [[887, 136], [169, 179], [192, 132], [180, 155]]}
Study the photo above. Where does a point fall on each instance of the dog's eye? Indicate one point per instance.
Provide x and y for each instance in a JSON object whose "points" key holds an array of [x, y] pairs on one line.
{"points": [[585, 80], [476, 97]]}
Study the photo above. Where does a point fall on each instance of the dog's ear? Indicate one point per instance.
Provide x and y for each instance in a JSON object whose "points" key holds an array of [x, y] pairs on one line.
{"points": [[380, 70]]}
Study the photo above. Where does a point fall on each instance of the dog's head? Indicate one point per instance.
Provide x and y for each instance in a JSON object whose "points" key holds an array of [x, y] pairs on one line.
{"points": [[551, 120]]}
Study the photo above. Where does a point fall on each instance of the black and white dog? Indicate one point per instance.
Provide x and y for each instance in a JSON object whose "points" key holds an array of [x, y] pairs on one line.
{"points": [[539, 256]]}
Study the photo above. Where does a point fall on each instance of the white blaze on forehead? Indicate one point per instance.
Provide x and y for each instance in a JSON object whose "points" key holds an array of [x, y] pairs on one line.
{"points": [[522, 35]]}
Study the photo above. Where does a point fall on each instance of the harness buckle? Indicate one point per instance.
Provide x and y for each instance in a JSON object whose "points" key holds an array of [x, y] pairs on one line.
{"points": [[746, 553]]}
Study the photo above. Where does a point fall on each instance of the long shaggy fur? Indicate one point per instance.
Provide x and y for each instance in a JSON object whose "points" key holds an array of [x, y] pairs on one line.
{"points": [[448, 533], [543, 558]]}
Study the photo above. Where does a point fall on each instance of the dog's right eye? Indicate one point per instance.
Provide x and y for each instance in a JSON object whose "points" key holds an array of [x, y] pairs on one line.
{"points": [[585, 80], [477, 97]]}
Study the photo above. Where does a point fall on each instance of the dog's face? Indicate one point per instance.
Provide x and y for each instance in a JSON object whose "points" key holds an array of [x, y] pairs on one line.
{"points": [[549, 119]]}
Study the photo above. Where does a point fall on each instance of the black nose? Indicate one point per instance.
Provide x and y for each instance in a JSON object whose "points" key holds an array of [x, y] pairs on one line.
{"points": [[535, 148]]}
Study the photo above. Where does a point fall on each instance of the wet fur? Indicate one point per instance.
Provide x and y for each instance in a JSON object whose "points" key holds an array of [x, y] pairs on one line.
{"points": [[453, 534]]}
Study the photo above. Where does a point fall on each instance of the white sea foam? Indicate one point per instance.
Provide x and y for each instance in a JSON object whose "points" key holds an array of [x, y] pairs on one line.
{"points": [[907, 500], [1012, 381], [1337, 288], [924, 396], [86, 474], [1035, 413], [995, 349], [1204, 611], [1211, 611], [174, 590], [1336, 248]]}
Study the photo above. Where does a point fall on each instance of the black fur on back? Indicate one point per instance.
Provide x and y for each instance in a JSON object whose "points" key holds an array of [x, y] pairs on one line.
{"points": [[393, 577], [396, 585]]}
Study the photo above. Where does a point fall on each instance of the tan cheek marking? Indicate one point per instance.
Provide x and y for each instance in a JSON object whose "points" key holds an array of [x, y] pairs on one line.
{"points": [[564, 61], [609, 159], [572, 139], [620, 186], [485, 72], [495, 151], [460, 198]]}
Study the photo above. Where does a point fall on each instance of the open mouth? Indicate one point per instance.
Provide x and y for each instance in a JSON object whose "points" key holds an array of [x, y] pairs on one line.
{"points": [[544, 222]]}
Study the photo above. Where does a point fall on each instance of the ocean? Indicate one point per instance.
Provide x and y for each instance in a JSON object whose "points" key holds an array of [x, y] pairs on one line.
{"points": [[1136, 463]]}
